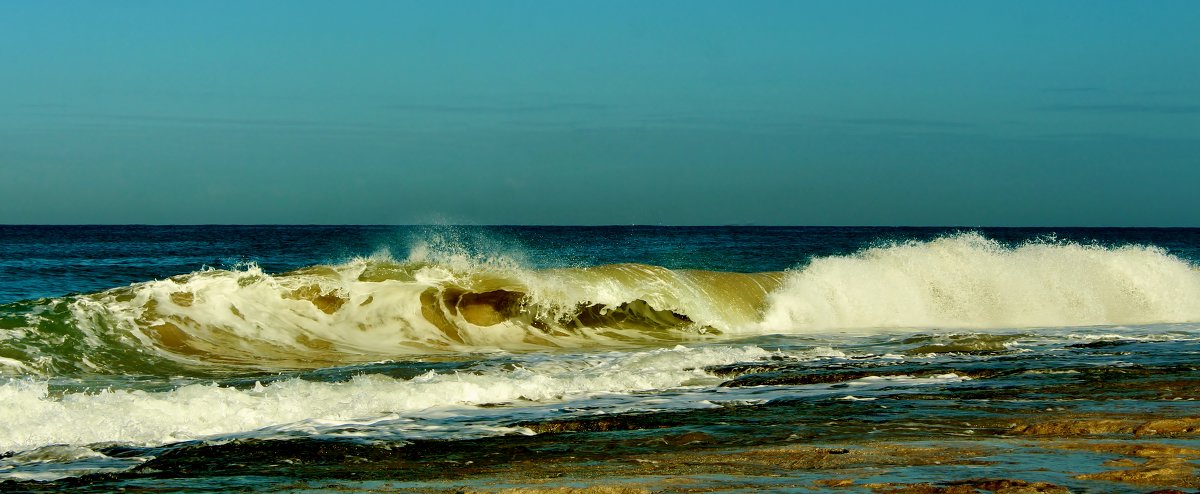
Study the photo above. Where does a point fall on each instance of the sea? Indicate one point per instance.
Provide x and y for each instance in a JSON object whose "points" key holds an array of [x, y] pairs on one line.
{"points": [[445, 358]]}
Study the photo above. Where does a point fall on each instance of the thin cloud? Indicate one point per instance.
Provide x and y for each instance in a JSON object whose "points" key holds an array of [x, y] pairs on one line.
{"points": [[223, 121], [501, 109], [906, 123], [1083, 136], [1159, 109], [1109, 137], [1072, 90], [43, 106], [677, 119]]}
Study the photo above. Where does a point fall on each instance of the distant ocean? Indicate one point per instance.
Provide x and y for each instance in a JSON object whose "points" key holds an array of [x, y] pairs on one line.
{"points": [[437, 357]]}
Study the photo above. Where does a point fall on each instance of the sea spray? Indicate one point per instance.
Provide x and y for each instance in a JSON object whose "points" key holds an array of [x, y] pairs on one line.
{"points": [[378, 308], [970, 281]]}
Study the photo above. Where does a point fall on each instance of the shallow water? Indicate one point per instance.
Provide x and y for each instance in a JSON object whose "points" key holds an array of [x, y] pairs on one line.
{"points": [[221, 358]]}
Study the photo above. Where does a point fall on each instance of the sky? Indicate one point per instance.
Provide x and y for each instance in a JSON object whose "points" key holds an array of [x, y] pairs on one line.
{"points": [[982, 113]]}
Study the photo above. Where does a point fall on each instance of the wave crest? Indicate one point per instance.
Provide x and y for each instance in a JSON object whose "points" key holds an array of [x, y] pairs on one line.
{"points": [[379, 308]]}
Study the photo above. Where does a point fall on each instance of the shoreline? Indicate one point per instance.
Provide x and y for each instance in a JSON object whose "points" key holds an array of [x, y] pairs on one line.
{"points": [[1057, 453]]}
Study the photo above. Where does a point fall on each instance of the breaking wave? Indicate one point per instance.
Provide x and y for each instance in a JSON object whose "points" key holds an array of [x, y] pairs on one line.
{"points": [[378, 308], [969, 281]]}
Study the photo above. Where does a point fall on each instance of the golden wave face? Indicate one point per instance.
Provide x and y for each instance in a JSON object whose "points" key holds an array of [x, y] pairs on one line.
{"points": [[370, 310], [381, 309]]}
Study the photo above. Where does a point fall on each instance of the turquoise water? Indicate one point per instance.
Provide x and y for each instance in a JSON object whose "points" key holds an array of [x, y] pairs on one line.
{"points": [[262, 357]]}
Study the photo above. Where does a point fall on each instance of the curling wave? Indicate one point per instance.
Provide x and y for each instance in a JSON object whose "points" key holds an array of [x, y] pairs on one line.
{"points": [[379, 308]]}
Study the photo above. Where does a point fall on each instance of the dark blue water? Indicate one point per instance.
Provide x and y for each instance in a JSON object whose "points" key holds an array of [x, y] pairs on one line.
{"points": [[49, 261]]}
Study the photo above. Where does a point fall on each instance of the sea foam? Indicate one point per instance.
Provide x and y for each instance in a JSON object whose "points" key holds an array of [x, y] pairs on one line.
{"points": [[33, 416], [972, 282]]}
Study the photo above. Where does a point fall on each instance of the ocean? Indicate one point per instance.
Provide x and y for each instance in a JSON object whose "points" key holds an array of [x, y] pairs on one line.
{"points": [[598, 359]]}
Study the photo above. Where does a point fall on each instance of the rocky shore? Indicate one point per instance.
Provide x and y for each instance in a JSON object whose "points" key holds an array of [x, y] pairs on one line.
{"points": [[1058, 454]]}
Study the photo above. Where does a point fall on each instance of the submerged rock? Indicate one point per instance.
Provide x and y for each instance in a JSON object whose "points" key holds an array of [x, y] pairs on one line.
{"points": [[1177, 472], [595, 489], [1067, 427], [971, 486]]}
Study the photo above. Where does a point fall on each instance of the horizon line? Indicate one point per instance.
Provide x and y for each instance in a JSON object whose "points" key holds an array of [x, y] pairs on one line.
{"points": [[576, 225]]}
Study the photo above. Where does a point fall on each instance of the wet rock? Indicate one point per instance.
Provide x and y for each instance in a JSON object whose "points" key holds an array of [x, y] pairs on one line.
{"points": [[799, 377], [1013, 486], [922, 488], [1188, 425], [1075, 427], [833, 482], [1102, 344], [1156, 387], [602, 424], [685, 439], [966, 344], [1156, 471], [1149, 464], [595, 489], [960, 349], [1068, 427], [776, 460], [796, 378], [972, 486]]}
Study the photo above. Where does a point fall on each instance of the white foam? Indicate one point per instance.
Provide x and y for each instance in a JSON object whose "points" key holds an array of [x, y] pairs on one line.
{"points": [[14, 365], [969, 281], [33, 418]]}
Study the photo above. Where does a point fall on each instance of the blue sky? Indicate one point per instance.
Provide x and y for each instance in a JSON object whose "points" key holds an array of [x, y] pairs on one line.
{"points": [[689, 112]]}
